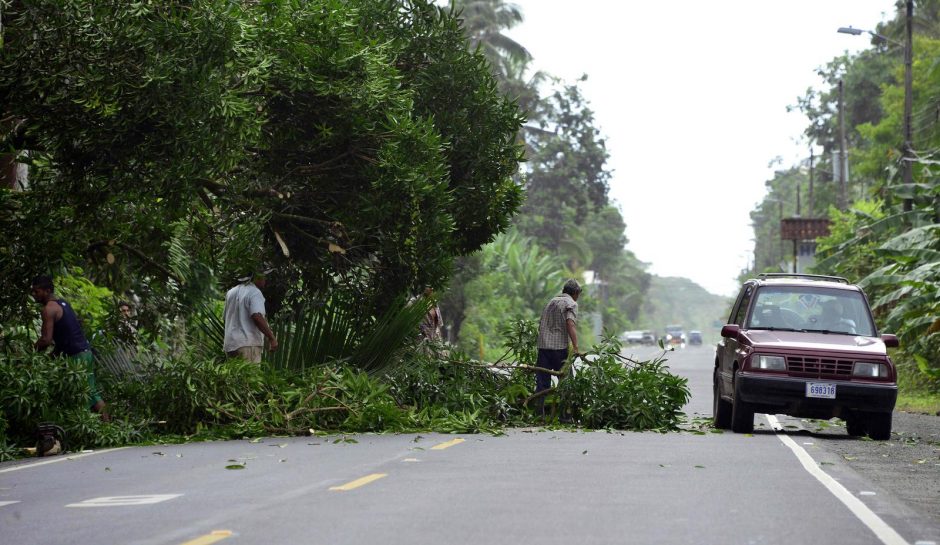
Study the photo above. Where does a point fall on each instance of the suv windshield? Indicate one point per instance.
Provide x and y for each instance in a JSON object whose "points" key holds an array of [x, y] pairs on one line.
{"points": [[806, 308]]}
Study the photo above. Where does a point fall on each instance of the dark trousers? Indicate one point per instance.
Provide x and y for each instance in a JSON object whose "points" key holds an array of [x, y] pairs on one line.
{"points": [[548, 359]]}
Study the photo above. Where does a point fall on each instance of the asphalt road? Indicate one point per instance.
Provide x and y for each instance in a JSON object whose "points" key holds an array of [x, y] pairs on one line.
{"points": [[530, 486]]}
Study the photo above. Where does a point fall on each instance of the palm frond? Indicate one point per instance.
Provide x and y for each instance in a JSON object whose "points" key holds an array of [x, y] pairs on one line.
{"points": [[335, 331]]}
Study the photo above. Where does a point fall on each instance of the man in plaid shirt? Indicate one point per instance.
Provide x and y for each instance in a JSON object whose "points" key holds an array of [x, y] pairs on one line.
{"points": [[556, 326]]}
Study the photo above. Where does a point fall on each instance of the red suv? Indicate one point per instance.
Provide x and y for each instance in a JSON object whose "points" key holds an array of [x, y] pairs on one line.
{"points": [[806, 346]]}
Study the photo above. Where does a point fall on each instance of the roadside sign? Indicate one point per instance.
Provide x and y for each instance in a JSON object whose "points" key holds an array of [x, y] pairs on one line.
{"points": [[803, 228]]}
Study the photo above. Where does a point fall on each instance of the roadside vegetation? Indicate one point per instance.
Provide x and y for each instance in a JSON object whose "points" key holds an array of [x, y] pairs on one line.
{"points": [[887, 238], [192, 393], [365, 149]]}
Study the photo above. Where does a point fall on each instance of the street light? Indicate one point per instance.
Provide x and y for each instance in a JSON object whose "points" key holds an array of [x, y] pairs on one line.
{"points": [[907, 151], [872, 33]]}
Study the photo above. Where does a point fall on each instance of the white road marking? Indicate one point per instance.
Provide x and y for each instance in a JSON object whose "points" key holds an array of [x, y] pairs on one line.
{"points": [[5, 503], [866, 493], [880, 528], [59, 459], [122, 501]]}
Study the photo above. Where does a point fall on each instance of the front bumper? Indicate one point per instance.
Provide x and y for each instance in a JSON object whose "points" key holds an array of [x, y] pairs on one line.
{"points": [[787, 395]]}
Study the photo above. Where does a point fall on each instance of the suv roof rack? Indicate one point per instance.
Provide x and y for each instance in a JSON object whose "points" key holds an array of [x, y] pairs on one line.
{"points": [[807, 276]]}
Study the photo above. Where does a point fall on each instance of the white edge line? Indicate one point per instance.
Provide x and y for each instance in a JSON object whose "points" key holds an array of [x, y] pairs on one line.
{"points": [[5, 503], [885, 533], [59, 459]]}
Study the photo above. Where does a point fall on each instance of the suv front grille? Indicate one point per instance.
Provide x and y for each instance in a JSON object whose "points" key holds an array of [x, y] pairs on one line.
{"points": [[819, 366]]}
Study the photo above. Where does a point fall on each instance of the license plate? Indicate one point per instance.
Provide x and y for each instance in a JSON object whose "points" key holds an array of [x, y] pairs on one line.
{"points": [[825, 390]]}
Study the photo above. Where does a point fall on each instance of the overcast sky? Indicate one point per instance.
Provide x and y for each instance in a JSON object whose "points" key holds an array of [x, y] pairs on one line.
{"points": [[692, 97]]}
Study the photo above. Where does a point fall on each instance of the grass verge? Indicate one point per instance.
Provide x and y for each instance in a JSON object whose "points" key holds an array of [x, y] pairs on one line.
{"points": [[918, 402]]}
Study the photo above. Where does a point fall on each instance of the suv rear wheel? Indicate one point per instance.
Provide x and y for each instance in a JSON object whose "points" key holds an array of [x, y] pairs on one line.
{"points": [[855, 425], [742, 415], [721, 409], [879, 426]]}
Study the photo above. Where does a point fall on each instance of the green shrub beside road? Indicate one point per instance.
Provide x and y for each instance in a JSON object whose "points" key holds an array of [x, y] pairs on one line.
{"points": [[188, 397]]}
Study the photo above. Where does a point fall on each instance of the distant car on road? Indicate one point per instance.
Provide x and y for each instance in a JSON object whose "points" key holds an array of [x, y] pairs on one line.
{"points": [[632, 337], [674, 335], [638, 337], [695, 337], [806, 346]]}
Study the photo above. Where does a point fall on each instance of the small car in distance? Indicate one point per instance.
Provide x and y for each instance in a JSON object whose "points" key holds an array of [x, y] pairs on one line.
{"points": [[805, 346], [674, 335], [632, 337], [695, 337]]}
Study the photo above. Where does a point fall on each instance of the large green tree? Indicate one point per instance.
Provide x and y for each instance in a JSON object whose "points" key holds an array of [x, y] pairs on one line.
{"points": [[359, 144]]}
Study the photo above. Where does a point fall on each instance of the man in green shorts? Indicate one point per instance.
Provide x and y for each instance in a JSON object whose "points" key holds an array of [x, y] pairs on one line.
{"points": [[60, 329]]}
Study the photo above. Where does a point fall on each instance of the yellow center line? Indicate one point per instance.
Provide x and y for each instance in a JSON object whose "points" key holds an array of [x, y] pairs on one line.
{"points": [[359, 482], [209, 539], [448, 444]]}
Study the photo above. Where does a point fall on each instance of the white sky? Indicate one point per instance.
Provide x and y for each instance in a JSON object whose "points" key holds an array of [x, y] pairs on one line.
{"points": [[691, 96]]}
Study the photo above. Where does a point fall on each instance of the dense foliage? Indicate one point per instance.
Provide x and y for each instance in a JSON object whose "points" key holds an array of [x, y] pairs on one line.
{"points": [[567, 225], [170, 397], [363, 149], [358, 145]]}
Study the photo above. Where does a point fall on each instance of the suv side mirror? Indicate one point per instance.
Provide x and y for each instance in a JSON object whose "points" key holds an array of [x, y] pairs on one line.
{"points": [[730, 331], [891, 341]]}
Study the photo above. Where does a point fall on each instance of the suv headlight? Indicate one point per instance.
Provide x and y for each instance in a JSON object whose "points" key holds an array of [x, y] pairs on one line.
{"points": [[772, 363], [868, 369]]}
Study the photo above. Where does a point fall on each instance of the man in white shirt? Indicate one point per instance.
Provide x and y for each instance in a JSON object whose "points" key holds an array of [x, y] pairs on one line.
{"points": [[245, 323]]}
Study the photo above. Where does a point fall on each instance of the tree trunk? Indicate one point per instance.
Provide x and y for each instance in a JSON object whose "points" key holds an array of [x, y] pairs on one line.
{"points": [[8, 171]]}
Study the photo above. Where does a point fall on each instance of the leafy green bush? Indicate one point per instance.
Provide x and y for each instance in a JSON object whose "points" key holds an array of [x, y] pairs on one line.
{"points": [[171, 396], [37, 388], [186, 393], [608, 394], [443, 389]]}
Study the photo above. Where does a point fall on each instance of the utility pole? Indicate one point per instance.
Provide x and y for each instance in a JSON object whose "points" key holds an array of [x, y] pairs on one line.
{"points": [[798, 207], [843, 162], [810, 203], [908, 150]]}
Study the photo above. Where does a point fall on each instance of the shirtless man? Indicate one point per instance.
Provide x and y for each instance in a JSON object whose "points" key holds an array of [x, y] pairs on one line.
{"points": [[61, 330]]}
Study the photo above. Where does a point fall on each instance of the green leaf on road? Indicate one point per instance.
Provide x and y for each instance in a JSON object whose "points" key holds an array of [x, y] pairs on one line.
{"points": [[235, 466], [700, 467]]}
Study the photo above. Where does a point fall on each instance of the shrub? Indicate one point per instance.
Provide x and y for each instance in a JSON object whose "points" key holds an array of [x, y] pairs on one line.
{"points": [[608, 394], [37, 388]]}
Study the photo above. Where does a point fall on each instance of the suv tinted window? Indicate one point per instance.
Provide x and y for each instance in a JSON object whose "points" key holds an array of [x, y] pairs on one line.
{"points": [[811, 309], [741, 310]]}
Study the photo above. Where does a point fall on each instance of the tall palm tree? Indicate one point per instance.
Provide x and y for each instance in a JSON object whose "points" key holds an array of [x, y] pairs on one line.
{"points": [[486, 22]]}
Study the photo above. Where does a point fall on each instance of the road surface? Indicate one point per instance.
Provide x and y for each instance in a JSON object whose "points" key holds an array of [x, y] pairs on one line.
{"points": [[530, 486]]}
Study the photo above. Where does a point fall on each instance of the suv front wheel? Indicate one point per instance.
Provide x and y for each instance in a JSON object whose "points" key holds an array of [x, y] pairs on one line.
{"points": [[721, 409], [879, 426], [742, 415]]}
